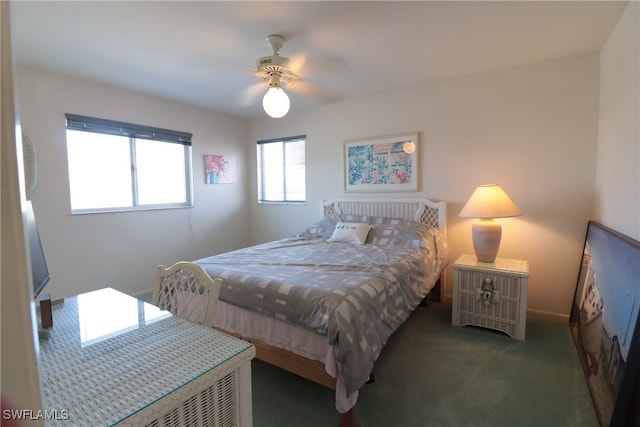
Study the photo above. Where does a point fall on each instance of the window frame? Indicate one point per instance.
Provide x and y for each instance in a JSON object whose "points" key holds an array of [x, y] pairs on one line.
{"points": [[261, 168], [135, 132]]}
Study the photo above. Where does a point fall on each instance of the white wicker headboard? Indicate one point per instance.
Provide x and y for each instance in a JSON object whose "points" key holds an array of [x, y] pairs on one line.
{"points": [[423, 210]]}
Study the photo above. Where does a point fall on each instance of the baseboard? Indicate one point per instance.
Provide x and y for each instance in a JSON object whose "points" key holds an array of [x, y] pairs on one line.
{"points": [[548, 315]]}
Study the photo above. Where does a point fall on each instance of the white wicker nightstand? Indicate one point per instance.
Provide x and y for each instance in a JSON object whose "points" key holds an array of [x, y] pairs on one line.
{"points": [[491, 295], [114, 360]]}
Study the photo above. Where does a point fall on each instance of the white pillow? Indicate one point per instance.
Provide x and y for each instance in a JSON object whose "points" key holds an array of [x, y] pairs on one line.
{"points": [[350, 232]]}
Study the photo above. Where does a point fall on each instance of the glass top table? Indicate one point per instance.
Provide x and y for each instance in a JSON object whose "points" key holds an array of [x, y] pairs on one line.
{"points": [[110, 356]]}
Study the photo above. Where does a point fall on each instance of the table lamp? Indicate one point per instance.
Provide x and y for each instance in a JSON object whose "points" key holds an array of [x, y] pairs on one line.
{"points": [[486, 203]]}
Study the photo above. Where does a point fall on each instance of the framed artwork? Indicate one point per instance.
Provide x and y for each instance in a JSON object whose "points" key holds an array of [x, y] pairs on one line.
{"points": [[604, 321], [219, 169], [383, 163]]}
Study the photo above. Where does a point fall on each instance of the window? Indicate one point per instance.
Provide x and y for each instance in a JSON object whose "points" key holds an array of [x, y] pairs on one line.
{"points": [[115, 166], [281, 170]]}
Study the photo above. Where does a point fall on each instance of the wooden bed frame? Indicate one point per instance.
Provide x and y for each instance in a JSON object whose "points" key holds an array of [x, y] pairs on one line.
{"points": [[422, 210]]}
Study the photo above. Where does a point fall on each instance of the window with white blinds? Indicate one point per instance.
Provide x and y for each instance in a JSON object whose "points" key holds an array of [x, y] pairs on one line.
{"points": [[281, 170], [115, 166]]}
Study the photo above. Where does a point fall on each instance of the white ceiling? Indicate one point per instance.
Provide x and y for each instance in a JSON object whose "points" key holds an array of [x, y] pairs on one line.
{"points": [[203, 52]]}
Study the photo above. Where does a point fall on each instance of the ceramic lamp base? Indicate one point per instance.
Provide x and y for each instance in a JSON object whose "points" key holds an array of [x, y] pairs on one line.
{"points": [[486, 235]]}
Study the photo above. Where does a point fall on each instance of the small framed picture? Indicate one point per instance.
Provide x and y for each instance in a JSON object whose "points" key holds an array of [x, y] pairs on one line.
{"points": [[219, 169]]}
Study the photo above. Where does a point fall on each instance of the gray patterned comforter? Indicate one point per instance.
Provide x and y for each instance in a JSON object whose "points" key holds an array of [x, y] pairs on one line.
{"points": [[356, 295]]}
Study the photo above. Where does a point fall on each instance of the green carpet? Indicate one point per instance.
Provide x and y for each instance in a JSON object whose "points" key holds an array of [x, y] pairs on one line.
{"points": [[433, 374]]}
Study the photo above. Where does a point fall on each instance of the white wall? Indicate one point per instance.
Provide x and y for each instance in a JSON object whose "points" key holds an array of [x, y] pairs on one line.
{"points": [[618, 167], [532, 129], [121, 250]]}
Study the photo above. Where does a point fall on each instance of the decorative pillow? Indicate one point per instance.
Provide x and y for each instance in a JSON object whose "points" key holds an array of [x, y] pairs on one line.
{"points": [[350, 232], [323, 228]]}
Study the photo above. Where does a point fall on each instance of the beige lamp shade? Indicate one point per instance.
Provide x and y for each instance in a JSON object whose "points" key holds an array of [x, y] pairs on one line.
{"points": [[488, 202]]}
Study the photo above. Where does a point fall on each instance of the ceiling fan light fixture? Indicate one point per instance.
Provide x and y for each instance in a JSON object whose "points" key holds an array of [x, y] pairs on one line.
{"points": [[276, 102]]}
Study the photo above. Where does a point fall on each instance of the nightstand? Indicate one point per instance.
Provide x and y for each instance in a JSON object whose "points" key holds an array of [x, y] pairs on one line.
{"points": [[491, 295]]}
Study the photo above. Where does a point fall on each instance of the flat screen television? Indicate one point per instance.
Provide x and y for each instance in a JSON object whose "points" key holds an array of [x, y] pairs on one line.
{"points": [[39, 270]]}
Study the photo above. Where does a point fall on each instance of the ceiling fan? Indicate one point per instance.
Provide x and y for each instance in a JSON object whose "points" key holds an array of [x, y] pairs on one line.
{"points": [[276, 69]]}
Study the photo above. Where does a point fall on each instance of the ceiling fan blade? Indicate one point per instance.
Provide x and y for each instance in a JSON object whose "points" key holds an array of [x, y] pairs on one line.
{"points": [[296, 63], [307, 89], [316, 62], [251, 94]]}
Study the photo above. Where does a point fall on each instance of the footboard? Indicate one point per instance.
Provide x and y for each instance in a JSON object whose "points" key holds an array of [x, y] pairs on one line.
{"points": [[187, 291]]}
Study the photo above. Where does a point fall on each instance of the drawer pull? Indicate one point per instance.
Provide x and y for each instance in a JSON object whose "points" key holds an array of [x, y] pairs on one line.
{"points": [[487, 294]]}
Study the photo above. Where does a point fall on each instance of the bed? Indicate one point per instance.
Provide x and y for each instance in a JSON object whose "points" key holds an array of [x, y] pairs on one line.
{"points": [[323, 302]]}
